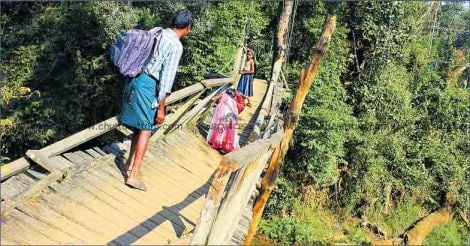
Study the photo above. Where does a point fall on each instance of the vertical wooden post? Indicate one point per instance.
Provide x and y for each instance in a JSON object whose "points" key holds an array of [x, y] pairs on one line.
{"points": [[281, 39], [211, 206], [307, 75], [238, 64]]}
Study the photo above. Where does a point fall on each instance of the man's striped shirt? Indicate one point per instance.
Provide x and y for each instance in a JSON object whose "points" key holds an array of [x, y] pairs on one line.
{"points": [[164, 61]]}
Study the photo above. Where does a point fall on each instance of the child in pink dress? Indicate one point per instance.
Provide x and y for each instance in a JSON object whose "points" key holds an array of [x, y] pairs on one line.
{"points": [[222, 134]]}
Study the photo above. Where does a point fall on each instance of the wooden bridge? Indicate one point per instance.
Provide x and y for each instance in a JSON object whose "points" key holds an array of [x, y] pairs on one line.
{"points": [[67, 194]]}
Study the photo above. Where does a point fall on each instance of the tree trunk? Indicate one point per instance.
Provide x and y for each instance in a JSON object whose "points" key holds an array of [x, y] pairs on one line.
{"points": [[307, 75], [281, 39]]}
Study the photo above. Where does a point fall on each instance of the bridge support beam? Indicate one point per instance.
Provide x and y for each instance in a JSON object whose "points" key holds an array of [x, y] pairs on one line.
{"points": [[281, 37], [307, 75]]}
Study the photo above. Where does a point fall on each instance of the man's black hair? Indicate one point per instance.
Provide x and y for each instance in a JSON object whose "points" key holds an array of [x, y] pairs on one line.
{"points": [[183, 18]]}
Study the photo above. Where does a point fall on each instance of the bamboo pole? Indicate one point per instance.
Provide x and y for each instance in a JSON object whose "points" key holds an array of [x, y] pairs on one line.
{"points": [[307, 75]]}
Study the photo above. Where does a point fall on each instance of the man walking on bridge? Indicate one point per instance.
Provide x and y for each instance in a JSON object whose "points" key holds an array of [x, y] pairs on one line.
{"points": [[144, 95]]}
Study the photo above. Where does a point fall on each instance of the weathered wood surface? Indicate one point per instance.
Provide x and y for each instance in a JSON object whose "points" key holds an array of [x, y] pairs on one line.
{"points": [[239, 58], [94, 131], [93, 206], [240, 191], [185, 92], [229, 163], [202, 105], [217, 82], [33, 191], [263, 113], [172, 120], [281, 39], [13, 168], [247, 154]]}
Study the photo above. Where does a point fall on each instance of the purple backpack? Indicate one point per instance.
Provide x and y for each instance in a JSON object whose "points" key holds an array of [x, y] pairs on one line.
{"points": [[133, 50]]}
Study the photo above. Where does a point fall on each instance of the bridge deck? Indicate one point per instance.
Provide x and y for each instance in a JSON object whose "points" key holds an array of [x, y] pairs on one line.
{"points": [[95, 207]]}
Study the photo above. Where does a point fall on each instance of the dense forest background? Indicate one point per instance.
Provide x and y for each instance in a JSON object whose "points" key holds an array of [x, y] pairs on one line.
{"points": [[383, 136]]}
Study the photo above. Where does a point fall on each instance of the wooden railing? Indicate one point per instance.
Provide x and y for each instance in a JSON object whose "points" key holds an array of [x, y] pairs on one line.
{"points": [[195, 90], [224, 205]]}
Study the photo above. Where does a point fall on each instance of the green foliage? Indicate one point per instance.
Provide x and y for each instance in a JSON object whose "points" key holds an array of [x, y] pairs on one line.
{"points": [[281, 200], [385, 125], [307, 225], [452, 233], [405, 214], [56, 75], [385, 120]]}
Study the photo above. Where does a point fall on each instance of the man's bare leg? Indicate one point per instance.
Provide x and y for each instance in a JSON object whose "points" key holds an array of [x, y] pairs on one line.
{"points": [[130, 160], [140, 149]]}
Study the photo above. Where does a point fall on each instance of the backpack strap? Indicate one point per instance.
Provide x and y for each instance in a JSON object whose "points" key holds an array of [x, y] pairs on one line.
{"points": [[158, 32]]}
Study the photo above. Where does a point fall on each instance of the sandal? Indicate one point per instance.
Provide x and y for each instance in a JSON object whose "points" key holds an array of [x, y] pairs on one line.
{"points": [[139, 185], [249, 105]]}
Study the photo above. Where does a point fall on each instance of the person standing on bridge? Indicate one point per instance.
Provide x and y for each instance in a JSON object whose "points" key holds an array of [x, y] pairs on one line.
{"points": [[145, 95], [245, 85]]}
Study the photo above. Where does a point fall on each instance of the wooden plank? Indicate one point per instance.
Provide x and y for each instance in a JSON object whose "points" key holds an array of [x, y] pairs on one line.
{"points": [[36, 174], [239, 193], [106, 211], [249, 153], [34, 191], [217, 82], [263, 112], [8, 241], [28, 236], [274, 110], [173, 119], [238, 64], [93, 153], [103, 193], [235, 201], [42, 211], [94, 131], [178, 157], [74, 158], [211, 205], [99, 150], [81, 137], [182, 184], [9, 236], [14, 167], [168, 192], [82, 215], [63, 162], [104, 182], [202, 105], [87, 157], [12, 187], [45, 229], [185, 92], [25, 179], [152, 202]]}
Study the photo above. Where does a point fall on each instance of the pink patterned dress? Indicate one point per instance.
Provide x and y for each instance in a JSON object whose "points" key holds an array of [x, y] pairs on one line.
{"points": [[223, 129]]}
